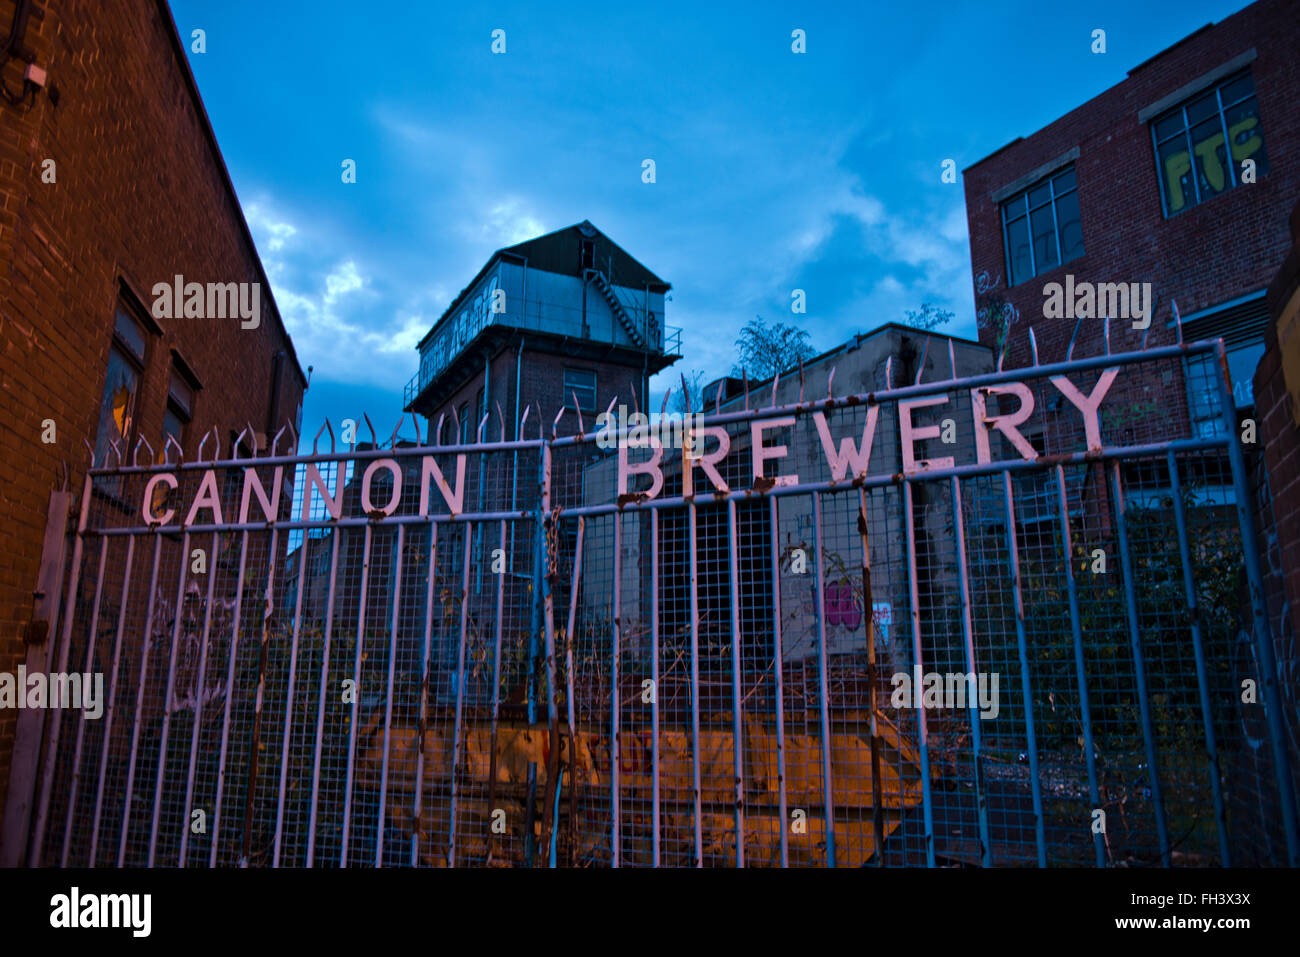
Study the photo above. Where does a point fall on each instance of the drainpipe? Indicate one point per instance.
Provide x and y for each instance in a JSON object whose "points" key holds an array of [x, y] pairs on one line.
{"points": [[514, 486], [487, 404]]}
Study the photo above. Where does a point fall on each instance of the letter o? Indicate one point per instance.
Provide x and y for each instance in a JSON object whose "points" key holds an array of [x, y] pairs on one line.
{"points": [[366, 505]]}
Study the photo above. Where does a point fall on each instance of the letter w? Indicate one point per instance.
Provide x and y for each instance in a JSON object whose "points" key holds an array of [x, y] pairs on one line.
{"points": [[848, 454]]}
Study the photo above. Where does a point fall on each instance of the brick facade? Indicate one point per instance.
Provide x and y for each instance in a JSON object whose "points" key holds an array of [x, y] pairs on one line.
{"points": [[1223, 248], [141, 194]]}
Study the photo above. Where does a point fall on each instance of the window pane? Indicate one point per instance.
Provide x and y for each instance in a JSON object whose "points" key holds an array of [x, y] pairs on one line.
{"points": [[1242, 362], [1203, 107], [1067, 219], [1065, 181], [1203, 396], [463, 412], [1176, 175], [131, 332], [1018, 251], [1039, 195], [117, 409], [1234, 90], [1244, 135], [1211, 157], [1169, 126], [181, 393], [1013, 208], [172, 425], [1044, 239]]}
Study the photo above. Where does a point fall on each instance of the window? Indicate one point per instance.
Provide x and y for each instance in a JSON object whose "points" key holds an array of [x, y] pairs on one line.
{"points": [[1041, 228], [180, 408], [582, 384], [1241, 324], [118, 408], [465, 429], [1201, 144]]}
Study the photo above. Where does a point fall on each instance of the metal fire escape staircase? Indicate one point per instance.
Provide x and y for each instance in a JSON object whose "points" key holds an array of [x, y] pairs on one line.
{"points": [[597, 278]]}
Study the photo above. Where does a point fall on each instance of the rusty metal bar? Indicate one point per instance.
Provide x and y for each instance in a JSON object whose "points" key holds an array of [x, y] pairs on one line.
{"points": [[1139, 664], [1026, 690], [828, 784], [388, 703], [199, 691], [615, 756], [737, 738], [460, 700], [327, 646], [918, 664], [422, 728], [230, 695], [81, 724], [1081, 675], [783, 823], [356, 698], [139, 703], [110, 706], [695, 689]]}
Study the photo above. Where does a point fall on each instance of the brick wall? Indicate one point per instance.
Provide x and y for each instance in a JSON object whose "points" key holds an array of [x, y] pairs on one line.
{"points": [[1225, 247], [141, 194]]}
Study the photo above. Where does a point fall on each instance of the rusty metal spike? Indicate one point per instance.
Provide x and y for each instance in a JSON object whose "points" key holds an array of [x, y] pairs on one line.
{"points": [[112, 445], [1033, 345], [636, 401], [686, 394], [135, 455], [830, 383], [1105, 332], [91, 449], [392, 442], [717, 399], [745, 373], [776, 379], [555, 423], [314, 443], [374, 439], [172, 443], [1069, 350], [500, 418], [1178, 320], [664, 407], [920, 366], [578, 409], [522, 419]]}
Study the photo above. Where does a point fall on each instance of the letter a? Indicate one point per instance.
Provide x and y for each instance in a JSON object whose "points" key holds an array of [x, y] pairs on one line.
{"points": [[349, 171], [800, 44]]}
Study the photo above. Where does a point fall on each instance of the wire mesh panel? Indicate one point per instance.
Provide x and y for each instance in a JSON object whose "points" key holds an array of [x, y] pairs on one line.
{"points": [[1009, 620]]}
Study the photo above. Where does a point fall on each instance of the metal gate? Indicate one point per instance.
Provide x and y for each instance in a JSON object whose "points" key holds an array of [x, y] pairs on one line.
{"points": [[1014, 619]]}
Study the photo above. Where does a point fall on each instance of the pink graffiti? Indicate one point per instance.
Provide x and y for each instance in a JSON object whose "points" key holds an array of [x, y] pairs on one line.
{"points": [[841, 607]]}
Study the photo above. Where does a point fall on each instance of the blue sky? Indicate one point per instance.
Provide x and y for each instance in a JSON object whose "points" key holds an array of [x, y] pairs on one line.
{"points": [[775, 170]]}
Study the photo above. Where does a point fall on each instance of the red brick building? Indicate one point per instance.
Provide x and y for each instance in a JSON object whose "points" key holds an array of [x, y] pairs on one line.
{"points": [[1150, 182], [111, 182]]}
